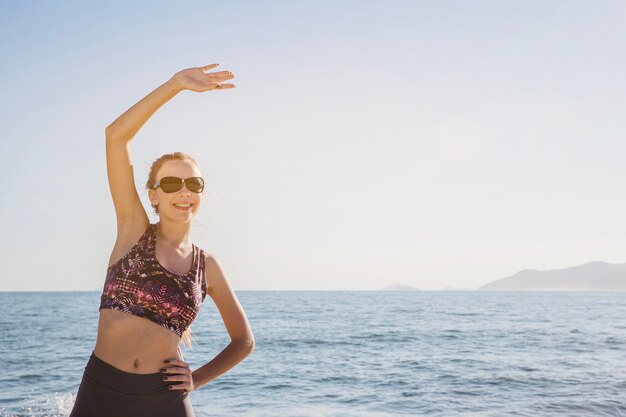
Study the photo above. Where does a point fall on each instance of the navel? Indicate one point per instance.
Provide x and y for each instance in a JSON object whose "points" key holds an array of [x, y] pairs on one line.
{"points": [[136, 363]]}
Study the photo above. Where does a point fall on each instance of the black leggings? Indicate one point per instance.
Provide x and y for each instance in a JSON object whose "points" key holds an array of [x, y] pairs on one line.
{"points": [[106, 391]]}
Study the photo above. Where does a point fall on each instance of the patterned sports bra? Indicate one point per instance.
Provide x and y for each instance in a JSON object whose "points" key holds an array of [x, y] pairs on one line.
{"points": [[138, 284]]}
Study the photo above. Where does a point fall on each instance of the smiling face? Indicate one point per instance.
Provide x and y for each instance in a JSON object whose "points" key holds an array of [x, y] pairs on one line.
{"points": [[166, 202]]}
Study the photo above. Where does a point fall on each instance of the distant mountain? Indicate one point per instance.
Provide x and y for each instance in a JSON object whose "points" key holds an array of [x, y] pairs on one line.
{"points": [[458, 289], [399, 287], [592, 276]]}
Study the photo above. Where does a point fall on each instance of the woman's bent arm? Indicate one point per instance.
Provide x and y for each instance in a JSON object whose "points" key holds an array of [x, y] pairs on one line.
{"points": [[128, 124], [128, 208]]}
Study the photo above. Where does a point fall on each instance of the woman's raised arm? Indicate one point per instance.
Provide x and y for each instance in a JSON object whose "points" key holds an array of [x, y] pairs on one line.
{"points": [[128, 207]]}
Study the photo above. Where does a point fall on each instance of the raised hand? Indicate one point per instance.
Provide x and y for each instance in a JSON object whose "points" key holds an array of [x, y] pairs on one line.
{"points": [[196, 79]]}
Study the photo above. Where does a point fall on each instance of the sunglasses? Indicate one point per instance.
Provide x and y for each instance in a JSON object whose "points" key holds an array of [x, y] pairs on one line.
{"points": [[173, 184]]}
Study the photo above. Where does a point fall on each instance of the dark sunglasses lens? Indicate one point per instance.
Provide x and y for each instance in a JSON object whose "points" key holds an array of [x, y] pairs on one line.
{"points": [[195, 184], [171, 184]]}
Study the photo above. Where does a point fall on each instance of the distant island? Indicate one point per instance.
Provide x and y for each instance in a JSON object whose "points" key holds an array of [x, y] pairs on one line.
{"points": [[592, 276], [399, 287]]}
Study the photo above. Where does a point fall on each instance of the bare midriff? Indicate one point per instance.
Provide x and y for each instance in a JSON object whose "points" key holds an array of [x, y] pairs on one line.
{"points": [[134, 344]]}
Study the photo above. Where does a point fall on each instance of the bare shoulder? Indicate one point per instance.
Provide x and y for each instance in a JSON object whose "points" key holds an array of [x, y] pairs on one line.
{"points": [[214, 274]]}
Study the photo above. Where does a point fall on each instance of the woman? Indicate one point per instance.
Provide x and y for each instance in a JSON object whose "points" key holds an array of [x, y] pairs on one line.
{"points": [[157, 279]]}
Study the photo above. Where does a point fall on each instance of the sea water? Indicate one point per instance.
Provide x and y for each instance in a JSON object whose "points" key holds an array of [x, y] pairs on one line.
{"points": [[353, 353]]}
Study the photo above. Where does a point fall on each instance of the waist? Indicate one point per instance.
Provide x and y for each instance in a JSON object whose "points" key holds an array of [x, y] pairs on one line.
{"points": [[134, 344], [125, 388]]}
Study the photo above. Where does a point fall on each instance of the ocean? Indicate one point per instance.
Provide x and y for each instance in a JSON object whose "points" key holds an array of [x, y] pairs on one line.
{"points": [[353, 353]]}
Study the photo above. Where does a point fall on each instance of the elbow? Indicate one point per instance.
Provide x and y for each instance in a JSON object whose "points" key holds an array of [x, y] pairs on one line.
{"points": [[110, 134], [247, 343], [112, 138], [250, 344]]}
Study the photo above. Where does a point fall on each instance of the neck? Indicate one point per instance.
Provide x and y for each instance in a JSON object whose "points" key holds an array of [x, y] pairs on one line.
{"points": [[176, 235]]}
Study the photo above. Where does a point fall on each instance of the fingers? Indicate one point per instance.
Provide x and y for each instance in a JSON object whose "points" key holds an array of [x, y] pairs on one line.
{"points": [[175, 369], [221, 73], [182, 382], [176, 363], [220, 78], [175, 366], [208, 67], [177, 376]]}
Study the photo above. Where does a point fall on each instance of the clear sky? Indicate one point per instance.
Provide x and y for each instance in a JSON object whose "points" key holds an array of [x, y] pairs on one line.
{"points": [[432, 144]]}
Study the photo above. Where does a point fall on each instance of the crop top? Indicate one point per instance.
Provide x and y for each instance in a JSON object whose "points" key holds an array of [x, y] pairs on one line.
{"points": [[138, 284]]}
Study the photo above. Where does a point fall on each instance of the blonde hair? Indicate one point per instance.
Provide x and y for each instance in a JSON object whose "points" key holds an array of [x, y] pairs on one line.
{"points": [[154, 168]]}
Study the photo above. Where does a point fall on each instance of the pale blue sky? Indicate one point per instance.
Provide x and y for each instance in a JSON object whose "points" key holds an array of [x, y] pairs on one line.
{"points": [[433, 144]]}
